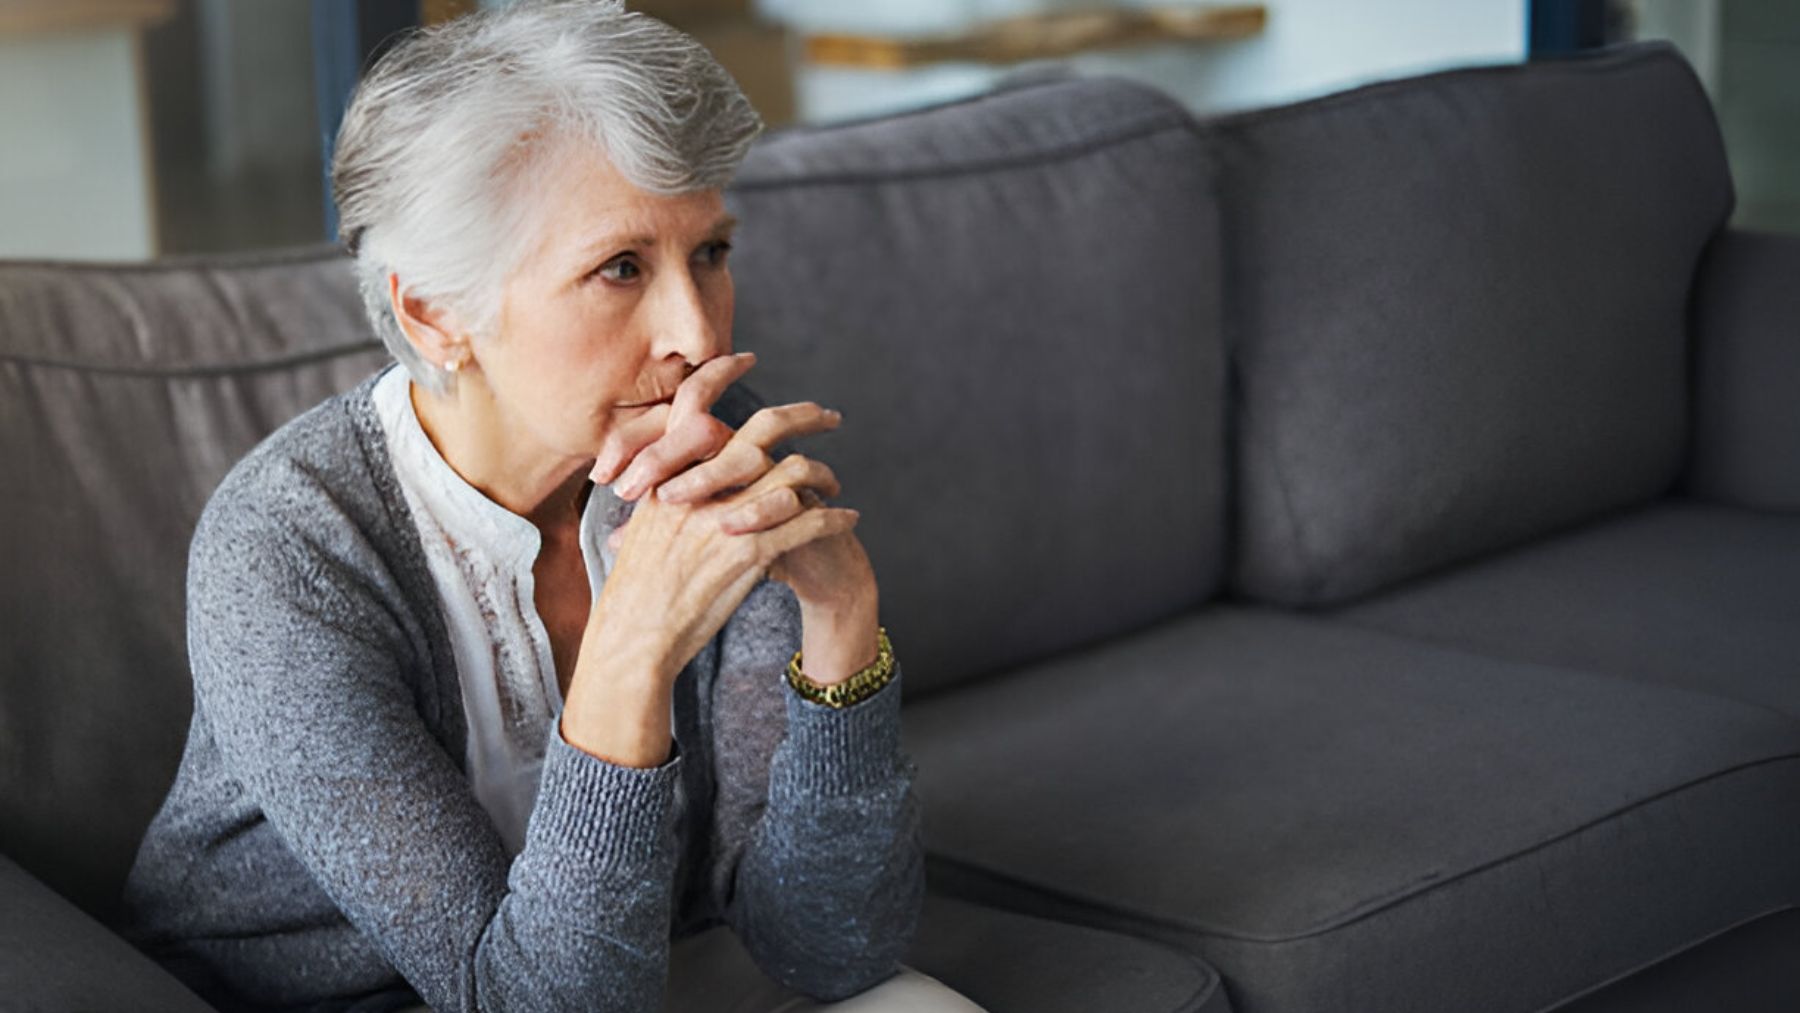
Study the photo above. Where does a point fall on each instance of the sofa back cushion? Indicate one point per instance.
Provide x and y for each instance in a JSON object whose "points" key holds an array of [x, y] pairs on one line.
{"points": [[1456, 304], [126, 393], [1013, 300]]}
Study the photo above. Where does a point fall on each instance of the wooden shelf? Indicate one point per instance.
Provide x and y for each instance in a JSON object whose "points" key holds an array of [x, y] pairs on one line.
{"points": [[1040, 37]]}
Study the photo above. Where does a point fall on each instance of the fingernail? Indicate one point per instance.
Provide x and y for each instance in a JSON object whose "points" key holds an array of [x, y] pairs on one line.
{"points": [[669, 492], [626, 487], [833, 414]]}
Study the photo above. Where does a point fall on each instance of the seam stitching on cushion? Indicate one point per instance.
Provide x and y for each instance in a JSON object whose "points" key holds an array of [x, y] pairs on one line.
{"points": [[1653, 962], [229, 261], [1210, 982], [1392, 899], [1584, 63], [197, 369], [1165, 121], [999, 92], [1438, 642], [1356, 915]]}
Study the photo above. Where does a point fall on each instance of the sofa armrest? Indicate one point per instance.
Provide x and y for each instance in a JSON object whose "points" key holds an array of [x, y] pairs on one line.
{"points": [[53, 956], [1746, 425]]}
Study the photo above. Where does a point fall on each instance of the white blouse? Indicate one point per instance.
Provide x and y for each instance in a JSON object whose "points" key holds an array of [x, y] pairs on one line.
{"points": [[480, 555]]}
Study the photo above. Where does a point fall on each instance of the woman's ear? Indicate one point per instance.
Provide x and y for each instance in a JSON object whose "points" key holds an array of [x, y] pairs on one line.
{"points": [[433, 331]]}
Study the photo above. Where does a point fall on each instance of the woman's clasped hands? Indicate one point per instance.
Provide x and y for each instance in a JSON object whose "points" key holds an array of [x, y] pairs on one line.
{"points": [[714, 512]]}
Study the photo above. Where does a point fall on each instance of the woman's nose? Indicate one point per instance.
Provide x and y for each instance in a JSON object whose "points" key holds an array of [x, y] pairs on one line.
{"points": [[682, 322]]}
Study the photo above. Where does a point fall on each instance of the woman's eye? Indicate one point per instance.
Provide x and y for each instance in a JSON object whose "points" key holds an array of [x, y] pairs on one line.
{"points": [[622, 269], [714, 252]]}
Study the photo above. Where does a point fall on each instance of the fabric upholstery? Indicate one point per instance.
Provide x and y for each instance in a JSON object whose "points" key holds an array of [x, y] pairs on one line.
{"points": [[1340, 819], [1745, 970], [125, 394], [1012, 963], [58, 958], [1749, 969], [1013, 300], [1005, 961], [1679, 593], [1747, 372], [1456, 306]]}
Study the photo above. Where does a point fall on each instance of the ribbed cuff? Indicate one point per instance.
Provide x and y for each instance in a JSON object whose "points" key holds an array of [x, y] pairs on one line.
{"points": [[841, 751], [600, 812]]}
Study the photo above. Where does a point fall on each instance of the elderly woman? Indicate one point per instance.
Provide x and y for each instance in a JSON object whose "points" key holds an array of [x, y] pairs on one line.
{"points": [[529, 655]]}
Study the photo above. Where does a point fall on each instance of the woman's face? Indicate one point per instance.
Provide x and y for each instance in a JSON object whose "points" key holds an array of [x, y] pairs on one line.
{"points": [[625, 293]]}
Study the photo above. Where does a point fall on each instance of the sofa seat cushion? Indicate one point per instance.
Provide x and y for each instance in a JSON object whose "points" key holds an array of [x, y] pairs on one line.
{"points": [[1006, 961], [1680, 593], [1749, 969], [1339, 818], [1001, 960], [53, 956]]}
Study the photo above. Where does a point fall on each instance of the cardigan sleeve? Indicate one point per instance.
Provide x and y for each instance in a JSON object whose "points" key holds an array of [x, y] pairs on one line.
{"points": [[826, 893], [299, 651]]}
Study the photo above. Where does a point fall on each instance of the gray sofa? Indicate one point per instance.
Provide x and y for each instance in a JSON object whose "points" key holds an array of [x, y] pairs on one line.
{"points": [[1346, 555]]}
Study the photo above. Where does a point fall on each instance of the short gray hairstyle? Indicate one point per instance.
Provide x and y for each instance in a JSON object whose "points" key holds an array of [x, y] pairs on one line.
{"points": [[438, 148]]}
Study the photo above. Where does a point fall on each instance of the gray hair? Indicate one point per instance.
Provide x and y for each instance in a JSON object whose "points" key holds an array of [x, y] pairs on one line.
{"points": [[439, 146]]}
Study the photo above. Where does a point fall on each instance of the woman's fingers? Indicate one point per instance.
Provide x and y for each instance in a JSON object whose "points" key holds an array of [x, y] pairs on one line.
{"points": [[626, 439], [771, 425], [708, 383], [777, 506], [746, 457], [792, 486], [807, 526], [796, 470], [765, 511], [691, 439], [692, 434]]}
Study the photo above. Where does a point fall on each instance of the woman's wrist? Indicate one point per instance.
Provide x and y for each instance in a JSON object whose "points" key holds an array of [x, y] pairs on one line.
{"points": [[836, 643], [868, 681], [618, 701], [621, 726]]}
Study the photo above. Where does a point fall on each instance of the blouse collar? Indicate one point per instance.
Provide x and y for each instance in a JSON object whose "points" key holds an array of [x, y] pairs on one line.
{"points": [[464, 512]]}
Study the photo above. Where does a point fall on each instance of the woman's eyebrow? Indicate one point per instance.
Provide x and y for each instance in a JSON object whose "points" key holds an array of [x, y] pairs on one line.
{"points": [[605, 244], [726, 224]]}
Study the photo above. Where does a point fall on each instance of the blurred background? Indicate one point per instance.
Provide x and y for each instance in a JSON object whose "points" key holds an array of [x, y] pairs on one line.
{"points": [[132, 129]]}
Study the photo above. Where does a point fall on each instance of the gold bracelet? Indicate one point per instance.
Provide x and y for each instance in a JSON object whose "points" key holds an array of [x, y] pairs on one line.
{"points": [[853, 690]]}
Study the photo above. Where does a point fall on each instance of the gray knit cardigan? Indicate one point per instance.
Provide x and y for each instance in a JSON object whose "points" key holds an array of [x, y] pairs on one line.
{"points": [[321, 847]]}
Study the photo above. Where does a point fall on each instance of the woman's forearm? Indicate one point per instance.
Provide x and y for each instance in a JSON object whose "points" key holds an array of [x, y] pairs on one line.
{"points": [[829, 885]]}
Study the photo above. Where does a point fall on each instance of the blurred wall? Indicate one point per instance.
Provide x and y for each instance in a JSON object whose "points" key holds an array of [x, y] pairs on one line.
{"points": [[237, 135], [1309, 47], [133, 130], [1747, 54], [74, 163]]}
